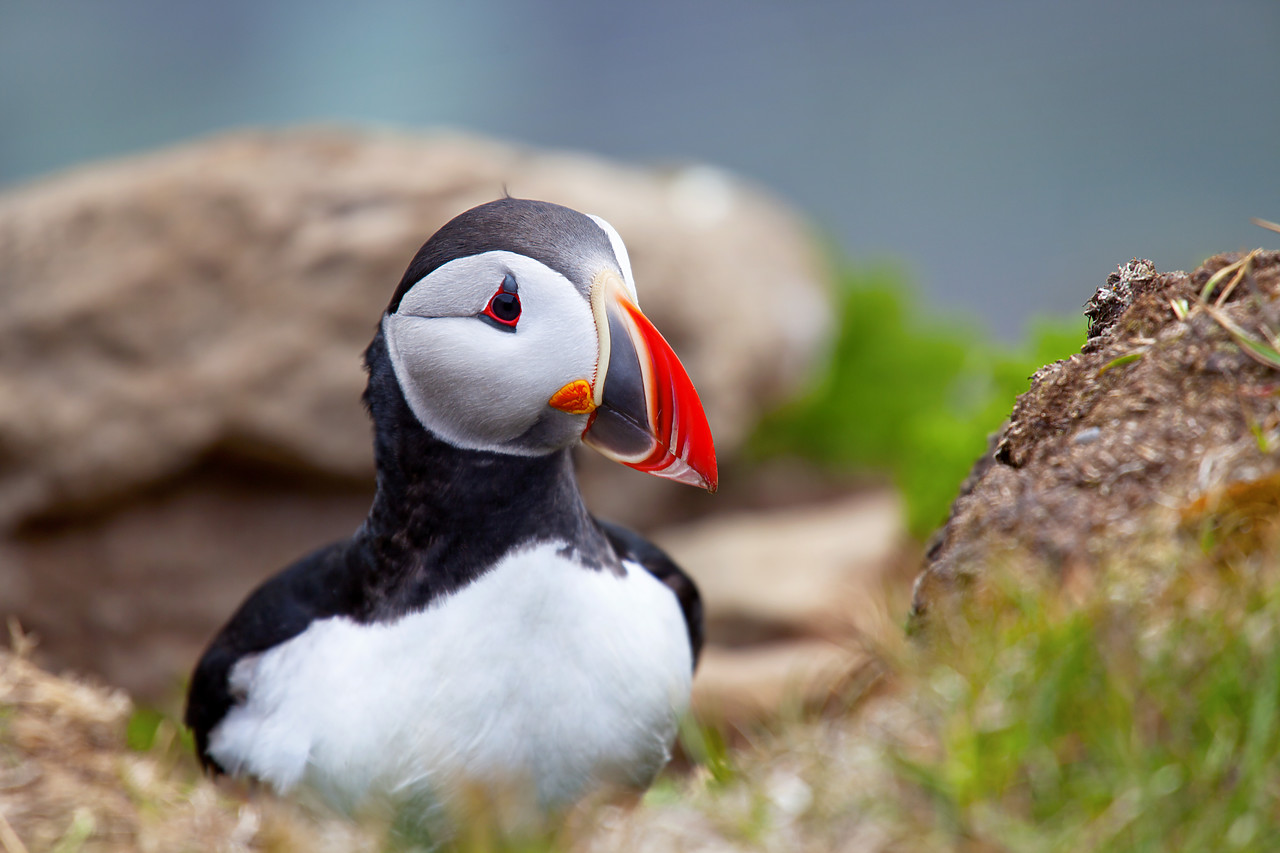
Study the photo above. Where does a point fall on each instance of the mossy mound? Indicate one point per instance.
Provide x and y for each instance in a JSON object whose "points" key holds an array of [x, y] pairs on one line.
{"points": [[1157, 440]]}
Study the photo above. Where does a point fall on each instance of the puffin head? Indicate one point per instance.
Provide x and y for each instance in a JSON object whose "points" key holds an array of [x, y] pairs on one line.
{"points": [[516, 329]]}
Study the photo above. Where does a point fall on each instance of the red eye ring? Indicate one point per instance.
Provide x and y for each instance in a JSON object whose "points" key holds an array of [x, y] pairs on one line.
{"points": [[504, 308]]}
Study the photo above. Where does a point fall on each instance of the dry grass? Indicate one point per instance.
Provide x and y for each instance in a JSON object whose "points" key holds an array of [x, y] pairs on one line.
{"points": [[69, 782]]}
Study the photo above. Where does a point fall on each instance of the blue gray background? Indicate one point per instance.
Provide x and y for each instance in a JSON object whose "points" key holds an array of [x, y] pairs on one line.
{"points": [[1008, 154]]}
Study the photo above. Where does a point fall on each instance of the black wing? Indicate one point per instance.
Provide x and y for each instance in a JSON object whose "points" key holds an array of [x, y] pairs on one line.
{"points": [[632, 546], [317, 586]]}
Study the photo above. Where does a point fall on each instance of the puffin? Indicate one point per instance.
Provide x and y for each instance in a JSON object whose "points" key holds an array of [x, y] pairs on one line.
{"points": [[482, 645]]}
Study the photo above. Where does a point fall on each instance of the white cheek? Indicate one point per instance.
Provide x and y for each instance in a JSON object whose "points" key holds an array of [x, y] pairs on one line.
{"points": [[482, 388]]}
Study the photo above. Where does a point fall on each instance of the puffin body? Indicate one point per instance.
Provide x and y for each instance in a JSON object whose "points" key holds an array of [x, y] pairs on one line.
{"points": [[482, 639]]}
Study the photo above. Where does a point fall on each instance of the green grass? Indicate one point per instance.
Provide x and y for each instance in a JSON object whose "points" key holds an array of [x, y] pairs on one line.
{"points": [[908, 393], [1112, 725], [1132, 713]]}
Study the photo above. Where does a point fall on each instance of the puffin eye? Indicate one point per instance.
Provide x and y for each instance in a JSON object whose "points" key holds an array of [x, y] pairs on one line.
{"points": [[504, 306]]}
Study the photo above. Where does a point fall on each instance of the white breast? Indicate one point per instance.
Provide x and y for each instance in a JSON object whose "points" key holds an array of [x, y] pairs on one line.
{"points": [[541, 677]]}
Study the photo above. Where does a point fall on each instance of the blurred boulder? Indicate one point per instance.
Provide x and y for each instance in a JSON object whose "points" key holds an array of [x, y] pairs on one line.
{"points": [[811, 571], [740, 685], [180, 342], [219, 295], [792, 597], [1150, 450]]}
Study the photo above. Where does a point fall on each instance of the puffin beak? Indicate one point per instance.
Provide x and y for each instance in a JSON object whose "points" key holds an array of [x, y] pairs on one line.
{"points": [[644, 410]]}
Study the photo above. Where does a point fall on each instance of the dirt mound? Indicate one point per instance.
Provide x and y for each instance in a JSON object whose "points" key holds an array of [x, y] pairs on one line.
{"points": [[1157, 439]]}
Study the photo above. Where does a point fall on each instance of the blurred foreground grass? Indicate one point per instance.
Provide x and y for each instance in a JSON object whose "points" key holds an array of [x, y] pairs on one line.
{"points": [[1121, 713], [1142, 717], [1122, 710], [909, 393]]}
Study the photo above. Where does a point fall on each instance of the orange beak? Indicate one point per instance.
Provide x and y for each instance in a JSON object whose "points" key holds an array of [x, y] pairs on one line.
{"points": [[644, 410]]}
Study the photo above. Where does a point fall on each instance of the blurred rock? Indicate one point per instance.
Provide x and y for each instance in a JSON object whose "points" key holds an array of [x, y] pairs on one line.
{"points": [[792, 597], [134, 593], [757, 682], [180, 342], [814, 571], [220, 295], [1153, 444]]}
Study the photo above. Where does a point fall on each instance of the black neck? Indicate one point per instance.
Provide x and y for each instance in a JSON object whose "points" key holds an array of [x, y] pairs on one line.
{"points": [[443, 514]]}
